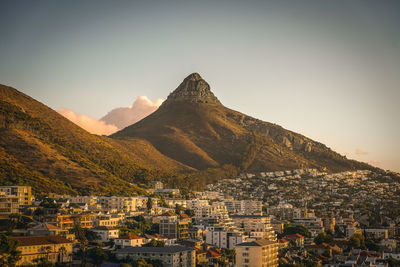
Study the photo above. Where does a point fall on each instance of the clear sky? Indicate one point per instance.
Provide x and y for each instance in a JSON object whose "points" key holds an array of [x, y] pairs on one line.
{"points": [[327, 69]]}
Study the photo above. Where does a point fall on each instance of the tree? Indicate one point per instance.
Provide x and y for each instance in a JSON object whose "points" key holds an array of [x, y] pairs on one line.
{"points": [[47, 250], [357, 241], [371, 245], [296, 229], [392, 262], [97, 255], [155, 243], [9, 253], [83, 241], [19, 221], [189, 212], [149, 204], [61, 253], [323, 238]]}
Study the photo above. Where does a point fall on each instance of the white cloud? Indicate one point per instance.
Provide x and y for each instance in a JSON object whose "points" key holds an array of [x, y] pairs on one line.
{"points": [[88, 123], [125, 116], [116, 119], [361, 152]]}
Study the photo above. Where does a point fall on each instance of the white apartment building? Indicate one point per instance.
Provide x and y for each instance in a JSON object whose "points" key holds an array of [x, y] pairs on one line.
{"points": [[221, 238]]}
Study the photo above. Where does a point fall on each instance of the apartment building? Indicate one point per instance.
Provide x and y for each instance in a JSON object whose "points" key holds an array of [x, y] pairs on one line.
{"points": [[258, 226], [8, 205], [24, 193], [259, 253], [222, 238]]}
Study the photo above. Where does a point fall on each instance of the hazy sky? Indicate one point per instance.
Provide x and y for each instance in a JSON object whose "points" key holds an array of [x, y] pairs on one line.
{"points": [[327, 69]]}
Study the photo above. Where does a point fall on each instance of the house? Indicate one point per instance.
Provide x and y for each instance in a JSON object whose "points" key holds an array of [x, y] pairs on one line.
{"points": [[130, 241], [105, 233], [297, 239], [33, 248], [173, 256], [319, 249], [201, 256]]}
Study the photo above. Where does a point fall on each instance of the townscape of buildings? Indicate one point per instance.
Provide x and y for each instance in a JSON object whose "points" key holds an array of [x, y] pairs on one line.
{"points": [[288, 218]]}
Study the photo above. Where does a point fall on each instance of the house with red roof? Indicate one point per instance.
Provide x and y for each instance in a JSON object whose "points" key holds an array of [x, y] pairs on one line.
{"points": [[297, 239]]}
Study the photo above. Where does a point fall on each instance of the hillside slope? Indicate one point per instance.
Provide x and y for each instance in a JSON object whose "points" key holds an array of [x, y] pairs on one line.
{"points": [[41, 148]]}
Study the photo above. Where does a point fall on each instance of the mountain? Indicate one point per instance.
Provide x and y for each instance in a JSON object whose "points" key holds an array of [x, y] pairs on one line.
{"points": [[191, 140], [194, 128], [41, 148]]}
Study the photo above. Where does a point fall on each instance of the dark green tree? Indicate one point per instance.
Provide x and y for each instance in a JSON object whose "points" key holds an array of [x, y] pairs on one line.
{"points": [[323, 238], [9, 253], [149, 204], [296, 229], [97, 256], [155, 243], [357, 241]]}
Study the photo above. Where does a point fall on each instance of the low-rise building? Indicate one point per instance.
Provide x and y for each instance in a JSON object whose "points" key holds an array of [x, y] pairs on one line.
{"points": [[173, 256], [53, 248], [105, 233], [130, 241]]}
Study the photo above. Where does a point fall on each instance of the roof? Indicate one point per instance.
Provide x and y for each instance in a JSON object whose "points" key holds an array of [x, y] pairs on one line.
{"points": [[170, 249], [212, 253], [257, 243], [248, 216], [130, 237], [184, 216], [294, 236], [44, 226], [168, 214], [103, 228], [40, 240]]}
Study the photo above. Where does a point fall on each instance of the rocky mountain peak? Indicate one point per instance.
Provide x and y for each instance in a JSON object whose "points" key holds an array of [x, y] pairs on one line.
{"points": [[193, 89]]}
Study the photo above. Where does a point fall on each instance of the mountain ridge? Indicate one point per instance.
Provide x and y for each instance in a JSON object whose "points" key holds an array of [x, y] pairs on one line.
{"points": [[193, 127]]}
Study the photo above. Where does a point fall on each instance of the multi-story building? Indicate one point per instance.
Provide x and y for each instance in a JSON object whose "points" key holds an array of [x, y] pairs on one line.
{"points": [[114, 203], [222, 238], [53, 248], [108, 220], [168, 225], [23, 193], [216, 210], [259, 253], [257, 226], [245, 207], [158, 185], [8, 205], [377, 233], [174, 226], [172, 256]]}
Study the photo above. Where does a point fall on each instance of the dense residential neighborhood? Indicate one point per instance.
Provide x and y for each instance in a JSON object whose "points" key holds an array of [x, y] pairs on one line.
{"points": [[303, 217]]}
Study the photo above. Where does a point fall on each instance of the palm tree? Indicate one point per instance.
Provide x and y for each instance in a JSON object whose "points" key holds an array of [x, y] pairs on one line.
{"points": [[47, 250], [61, 252]]}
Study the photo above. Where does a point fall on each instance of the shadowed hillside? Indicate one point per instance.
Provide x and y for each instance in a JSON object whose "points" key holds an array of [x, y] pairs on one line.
{"points": [[41, 148]]}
